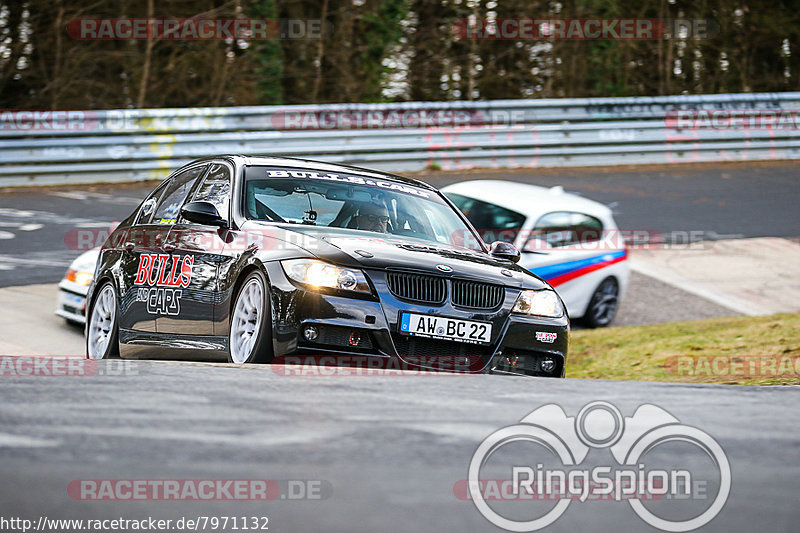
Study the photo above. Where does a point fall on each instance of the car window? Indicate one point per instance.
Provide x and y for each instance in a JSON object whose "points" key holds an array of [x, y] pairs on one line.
{"points": [[178, 188], [437, 225], [563, 228], [494, 223], [216, 188], [362, 203], [148, 206], [301, 205]]}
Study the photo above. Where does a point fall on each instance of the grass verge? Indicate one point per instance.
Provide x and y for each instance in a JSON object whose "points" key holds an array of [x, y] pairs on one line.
{"points": [[761, 350]]}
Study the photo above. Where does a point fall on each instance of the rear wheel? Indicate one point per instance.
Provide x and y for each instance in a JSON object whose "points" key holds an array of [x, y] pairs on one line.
{"points": [[102, 331], [250, 339], [603, 306]]}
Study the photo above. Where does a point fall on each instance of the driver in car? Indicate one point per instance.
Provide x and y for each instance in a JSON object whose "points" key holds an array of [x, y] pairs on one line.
{"points": [[372, 217]]}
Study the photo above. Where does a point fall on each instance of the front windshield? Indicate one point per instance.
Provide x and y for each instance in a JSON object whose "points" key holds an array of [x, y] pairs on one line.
{"points": [[360, 203]]}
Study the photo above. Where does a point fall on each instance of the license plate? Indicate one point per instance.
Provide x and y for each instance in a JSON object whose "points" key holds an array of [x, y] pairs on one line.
{"points": [[72, 299], [445, 328]]}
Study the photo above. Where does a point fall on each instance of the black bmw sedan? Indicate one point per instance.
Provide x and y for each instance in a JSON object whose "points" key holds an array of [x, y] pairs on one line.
{"points": [[250, 259]]}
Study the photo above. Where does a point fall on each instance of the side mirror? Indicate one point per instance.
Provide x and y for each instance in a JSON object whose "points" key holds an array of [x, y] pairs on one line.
{"points": [[504, 250], [202, 212]]}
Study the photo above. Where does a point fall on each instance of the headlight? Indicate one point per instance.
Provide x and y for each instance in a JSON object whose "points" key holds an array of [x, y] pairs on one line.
{"points": [[540, 303], [321, 274], [81, 277]]}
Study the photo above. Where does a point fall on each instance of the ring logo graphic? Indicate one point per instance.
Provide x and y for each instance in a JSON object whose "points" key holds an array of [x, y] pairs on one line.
{"points": [[639, 444]]}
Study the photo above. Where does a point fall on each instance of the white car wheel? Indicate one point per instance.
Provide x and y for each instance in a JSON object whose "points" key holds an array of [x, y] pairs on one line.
{"points": [[248, 341]]}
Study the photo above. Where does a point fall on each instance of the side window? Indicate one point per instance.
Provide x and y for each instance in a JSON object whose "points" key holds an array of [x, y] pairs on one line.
{"points": [[216, 188], [149, 205], [563, 228], [174, 195]]}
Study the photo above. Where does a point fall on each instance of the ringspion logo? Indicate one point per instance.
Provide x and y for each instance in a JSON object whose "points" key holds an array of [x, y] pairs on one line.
{"points": [[551, 457]]}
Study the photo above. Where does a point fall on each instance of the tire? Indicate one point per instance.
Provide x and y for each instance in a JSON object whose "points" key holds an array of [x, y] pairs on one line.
{"points": [[603, 305], [102, 324], [250, 336]]}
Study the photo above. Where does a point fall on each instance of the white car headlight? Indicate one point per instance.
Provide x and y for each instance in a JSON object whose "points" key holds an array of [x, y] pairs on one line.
{"points": [[539, 303], [81, 277], [321, 274]]}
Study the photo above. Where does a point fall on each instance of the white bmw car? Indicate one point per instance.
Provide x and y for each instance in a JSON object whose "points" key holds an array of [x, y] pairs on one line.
{"points": [[74, 286], [570, 241]]}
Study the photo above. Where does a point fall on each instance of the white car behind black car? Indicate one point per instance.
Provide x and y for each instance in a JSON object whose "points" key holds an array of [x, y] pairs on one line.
{"points": [[73, 287], [570, 241]]}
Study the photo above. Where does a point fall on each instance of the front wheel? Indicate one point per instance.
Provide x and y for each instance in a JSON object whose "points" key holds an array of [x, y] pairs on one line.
{"points": [[102, 330], [250, 339], [603, 306]]}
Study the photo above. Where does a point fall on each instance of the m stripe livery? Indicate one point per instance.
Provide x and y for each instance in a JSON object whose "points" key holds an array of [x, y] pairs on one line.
{"points": [[560, 273]]}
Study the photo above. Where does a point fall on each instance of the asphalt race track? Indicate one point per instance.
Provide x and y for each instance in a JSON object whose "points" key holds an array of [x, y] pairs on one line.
{"points": [[387, 451], [384, 452]]}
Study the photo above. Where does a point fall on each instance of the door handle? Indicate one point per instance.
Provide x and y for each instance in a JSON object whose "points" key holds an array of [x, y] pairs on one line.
{"points": [[169, 247], [129, 246]]}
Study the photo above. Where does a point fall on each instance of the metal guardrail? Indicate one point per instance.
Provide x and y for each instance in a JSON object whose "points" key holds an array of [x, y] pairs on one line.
{"points": [[129, 145]]}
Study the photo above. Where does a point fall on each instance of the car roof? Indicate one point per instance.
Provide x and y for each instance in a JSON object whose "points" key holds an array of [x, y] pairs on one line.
{"points": [[529, 200], [317, 165]]}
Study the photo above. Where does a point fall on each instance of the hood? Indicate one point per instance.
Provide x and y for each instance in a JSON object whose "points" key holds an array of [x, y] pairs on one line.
{"points": [[385, 251]]}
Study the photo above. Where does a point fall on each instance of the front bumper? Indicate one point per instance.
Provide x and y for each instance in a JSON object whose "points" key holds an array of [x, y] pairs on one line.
{"points": [[347, 325], [71, 303]]}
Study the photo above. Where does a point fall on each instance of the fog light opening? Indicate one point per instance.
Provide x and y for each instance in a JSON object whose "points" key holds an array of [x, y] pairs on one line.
{"points": [[355, 338], [548, 364], [311, 333]]}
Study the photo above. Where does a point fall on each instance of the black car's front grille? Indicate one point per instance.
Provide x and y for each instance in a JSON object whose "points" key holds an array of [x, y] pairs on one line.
{"points": [[339, 336], [476, 295], [417, 287], [423, 347], [420, 288]]}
